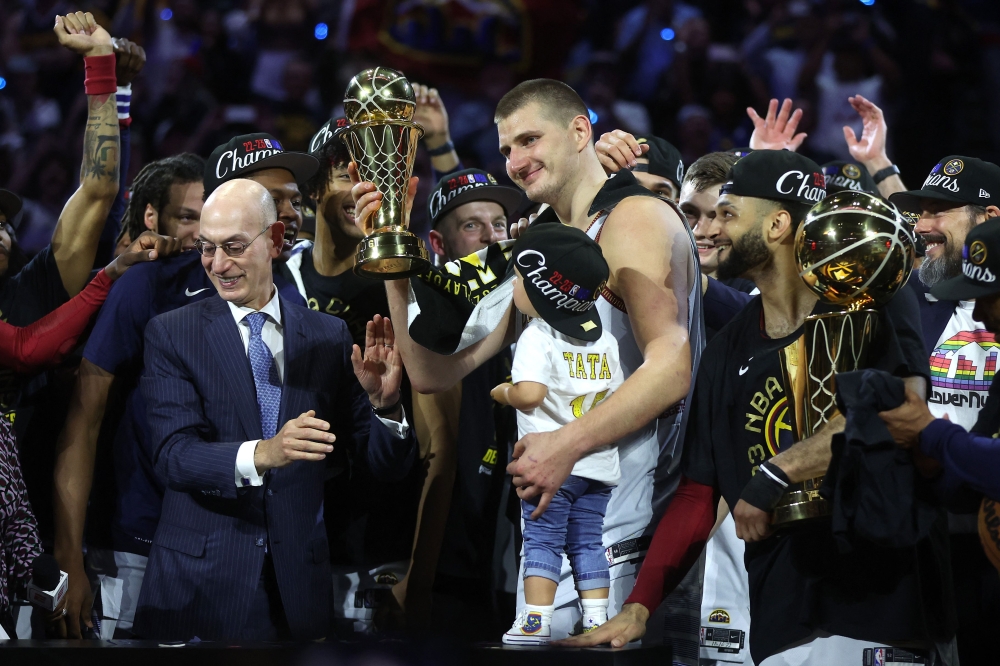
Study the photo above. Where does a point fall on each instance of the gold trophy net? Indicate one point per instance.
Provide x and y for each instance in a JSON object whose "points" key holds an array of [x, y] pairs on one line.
{"points": [[382, 140], [831, 343], [854, 250]]}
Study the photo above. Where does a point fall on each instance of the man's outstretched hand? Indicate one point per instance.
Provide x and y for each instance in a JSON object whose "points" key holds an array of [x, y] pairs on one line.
{"points": [[629, 625], [541, 463], [870, 148], [776, 131], [148, 246], [379, 368], [80, 33], [618, 150]]}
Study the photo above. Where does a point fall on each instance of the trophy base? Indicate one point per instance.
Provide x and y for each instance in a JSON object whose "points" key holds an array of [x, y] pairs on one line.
{"points": [[802, 503], [391, 255]]}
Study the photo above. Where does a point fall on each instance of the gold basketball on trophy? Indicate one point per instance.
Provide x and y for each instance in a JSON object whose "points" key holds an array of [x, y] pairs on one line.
{"points": [[382, 140], [854, 250], [378, 95]]}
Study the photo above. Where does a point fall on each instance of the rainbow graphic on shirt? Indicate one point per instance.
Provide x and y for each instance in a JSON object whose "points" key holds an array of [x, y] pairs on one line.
{"points": [[954, 362]]}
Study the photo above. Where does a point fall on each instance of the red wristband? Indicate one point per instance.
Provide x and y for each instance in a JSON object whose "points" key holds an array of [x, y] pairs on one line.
{"points": [[100, 75]]}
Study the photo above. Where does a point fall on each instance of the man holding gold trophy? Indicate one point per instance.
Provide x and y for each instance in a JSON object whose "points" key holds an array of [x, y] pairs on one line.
{"points": [[759, 428], [651, 303]]}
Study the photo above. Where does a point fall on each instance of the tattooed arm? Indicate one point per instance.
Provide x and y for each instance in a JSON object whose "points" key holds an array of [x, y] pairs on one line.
{"points": [[75, 239]]}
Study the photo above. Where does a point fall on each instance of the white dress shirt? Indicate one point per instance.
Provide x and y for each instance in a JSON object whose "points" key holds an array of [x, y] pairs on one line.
{"points": [[273, 335]]}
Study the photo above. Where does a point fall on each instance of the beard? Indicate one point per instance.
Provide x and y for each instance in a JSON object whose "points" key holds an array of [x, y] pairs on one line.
{"points": [[945, 266], [746, 253]]}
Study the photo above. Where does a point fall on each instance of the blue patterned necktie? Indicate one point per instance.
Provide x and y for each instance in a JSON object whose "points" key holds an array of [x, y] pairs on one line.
{"points": [[265, 376]]}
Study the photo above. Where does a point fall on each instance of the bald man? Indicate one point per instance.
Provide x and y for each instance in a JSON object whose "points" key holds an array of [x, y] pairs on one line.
{"points": [[251, 400]]}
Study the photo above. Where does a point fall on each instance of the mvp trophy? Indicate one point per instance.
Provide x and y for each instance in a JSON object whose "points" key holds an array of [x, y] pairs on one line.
{"points": [[855, 251], [382, 140]]}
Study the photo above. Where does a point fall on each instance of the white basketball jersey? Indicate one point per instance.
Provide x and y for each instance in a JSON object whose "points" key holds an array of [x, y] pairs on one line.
{"points": [[725, 601], [649, 458]]}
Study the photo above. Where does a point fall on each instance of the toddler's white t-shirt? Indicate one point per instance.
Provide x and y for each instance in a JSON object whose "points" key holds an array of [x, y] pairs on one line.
{"points": [[578, 375]]}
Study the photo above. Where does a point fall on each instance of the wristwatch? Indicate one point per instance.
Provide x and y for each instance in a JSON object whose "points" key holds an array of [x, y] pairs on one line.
{"points": [[443, 149], [383, 412], [882, 174]]}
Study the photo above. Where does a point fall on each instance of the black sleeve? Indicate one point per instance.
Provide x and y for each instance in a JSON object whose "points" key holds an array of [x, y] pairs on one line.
{"points": [[36, 290], [902, 351]]}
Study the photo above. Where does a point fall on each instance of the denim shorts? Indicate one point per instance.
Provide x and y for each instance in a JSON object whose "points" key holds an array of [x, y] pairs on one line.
{"points": [[573, 524]]}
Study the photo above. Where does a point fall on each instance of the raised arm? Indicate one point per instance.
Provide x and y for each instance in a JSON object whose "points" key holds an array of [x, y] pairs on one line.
{"points": [[433, 117], [776, 130], [870, 148], [78, 232], [653, 276], [428, 371]]}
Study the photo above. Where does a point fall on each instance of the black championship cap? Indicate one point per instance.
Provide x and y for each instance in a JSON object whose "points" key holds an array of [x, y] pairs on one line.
{"points": [[329, 131], [777, 174], [960, 180], [850, 176], [980, 266], [10, 206], [564, 271], [465, 186], [664, 160], [252, 152]]}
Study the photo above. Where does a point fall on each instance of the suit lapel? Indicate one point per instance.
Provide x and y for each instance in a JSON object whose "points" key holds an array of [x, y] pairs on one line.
{"points": [[227, 348], [293, 399]]}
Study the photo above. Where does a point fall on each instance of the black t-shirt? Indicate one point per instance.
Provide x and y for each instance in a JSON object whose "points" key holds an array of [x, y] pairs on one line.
{"points": [[352, 298], [742, 416], [485, 431], [368, 521]]}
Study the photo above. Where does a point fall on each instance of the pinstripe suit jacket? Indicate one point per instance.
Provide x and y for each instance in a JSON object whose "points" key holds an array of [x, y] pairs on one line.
{"points": [[208, 550]]}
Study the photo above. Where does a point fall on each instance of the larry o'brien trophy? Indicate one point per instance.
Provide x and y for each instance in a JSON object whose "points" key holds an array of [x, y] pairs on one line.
{"points": [[382, 140], [854, 250]]}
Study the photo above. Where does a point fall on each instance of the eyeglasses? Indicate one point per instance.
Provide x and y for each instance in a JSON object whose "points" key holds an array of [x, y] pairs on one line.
{"points": [[231, 248]]}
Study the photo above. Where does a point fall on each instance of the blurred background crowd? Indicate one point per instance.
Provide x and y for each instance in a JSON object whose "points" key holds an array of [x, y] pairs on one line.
{"points": [[685, 71]]}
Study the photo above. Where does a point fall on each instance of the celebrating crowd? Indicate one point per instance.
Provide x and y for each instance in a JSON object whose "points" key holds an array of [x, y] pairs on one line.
{"points": [[572, 429]]}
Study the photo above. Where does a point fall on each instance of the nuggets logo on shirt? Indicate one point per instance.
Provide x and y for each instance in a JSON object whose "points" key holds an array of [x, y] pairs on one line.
{"points": [[962, 369], [719, 615], [767, 414]]}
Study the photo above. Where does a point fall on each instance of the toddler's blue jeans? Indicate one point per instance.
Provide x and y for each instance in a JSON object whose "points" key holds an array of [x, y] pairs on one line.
{"points": [[573, 524]]}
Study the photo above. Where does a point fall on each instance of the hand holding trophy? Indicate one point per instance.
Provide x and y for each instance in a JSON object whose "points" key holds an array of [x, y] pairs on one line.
{"points": [[853, 250], [382, 140]]}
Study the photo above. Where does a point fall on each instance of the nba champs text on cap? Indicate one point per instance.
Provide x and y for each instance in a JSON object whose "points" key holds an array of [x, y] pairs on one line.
{"points": [[563, 271], [956, 179], [777, 174], [247, 153]]}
